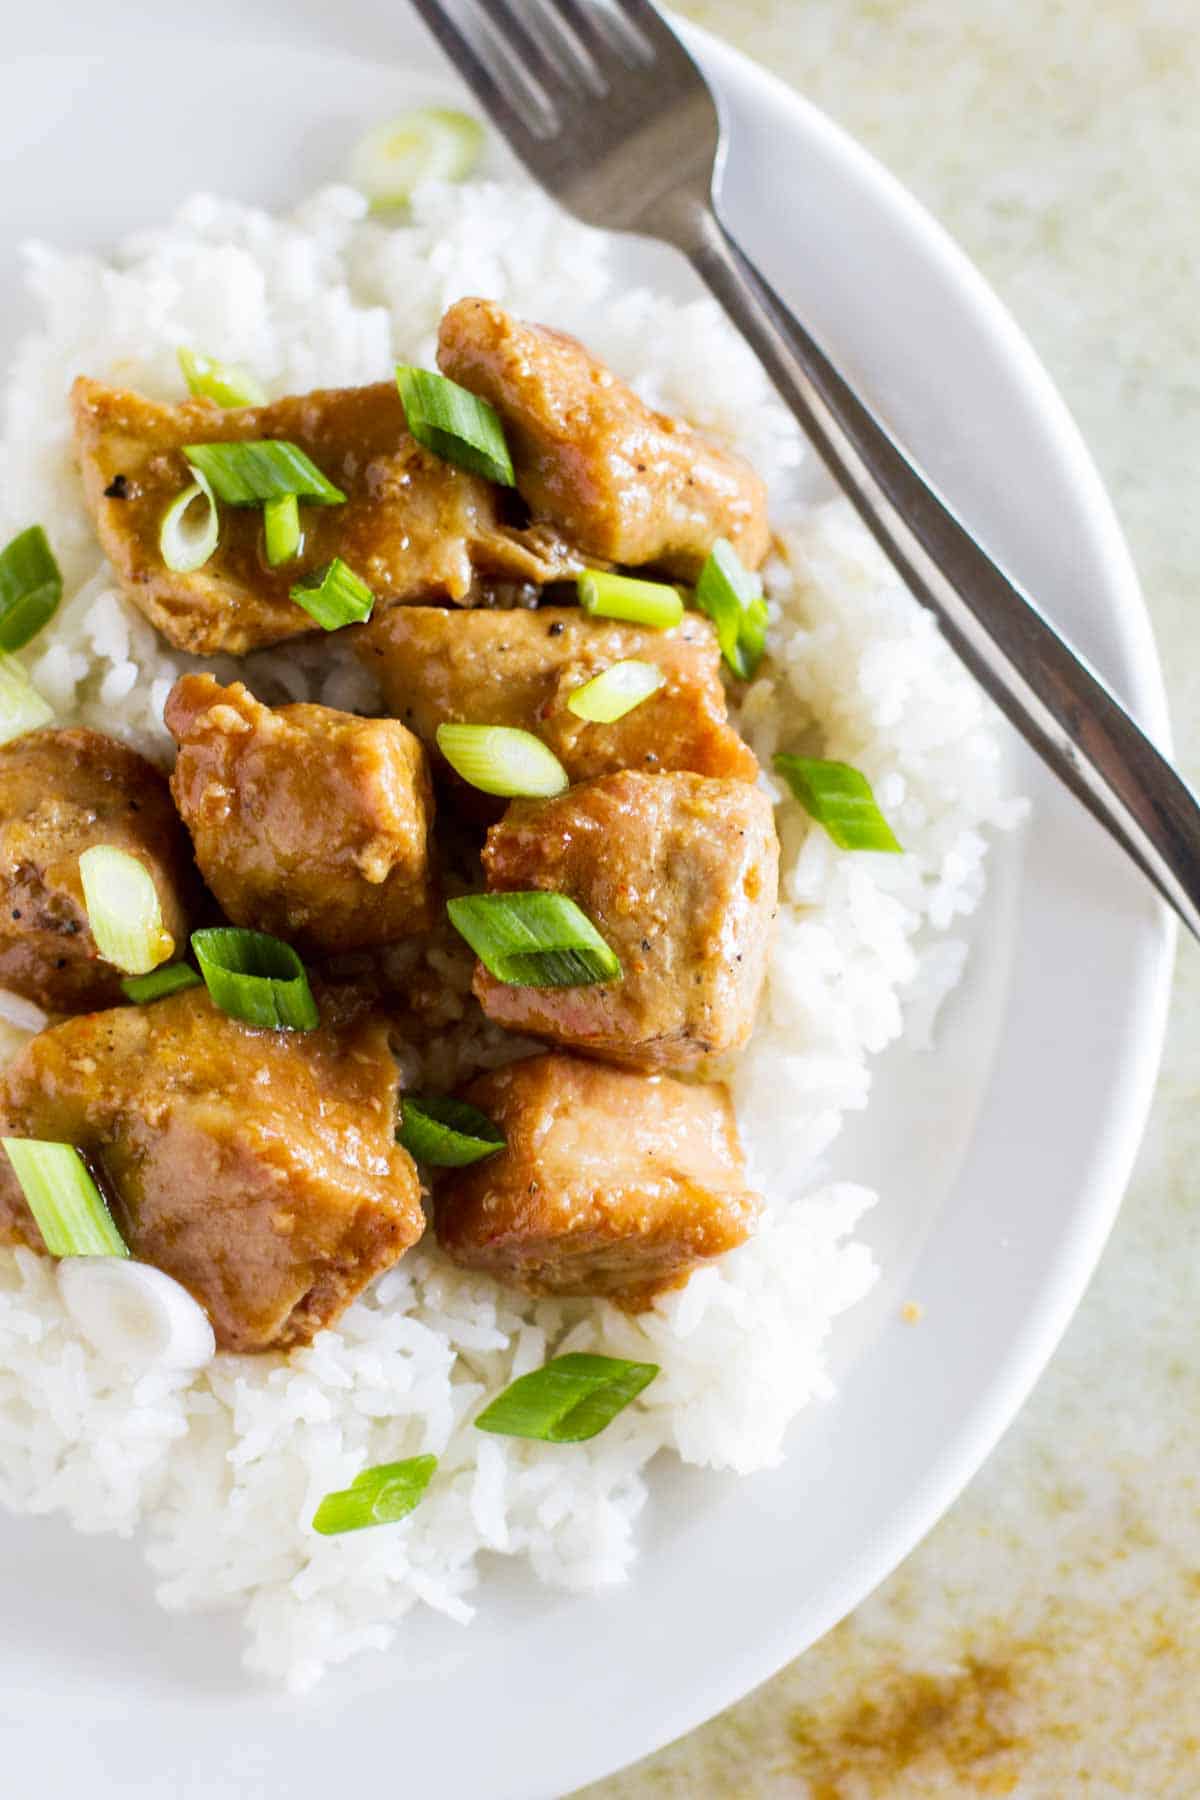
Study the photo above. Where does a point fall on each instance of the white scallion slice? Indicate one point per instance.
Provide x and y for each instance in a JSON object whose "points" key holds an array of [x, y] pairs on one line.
{"points": [[378, 1496], [568, 1400], [431, 143], [261, 469], [334, 596], [133, 1313], [534, 939], [838, 797], [455, 424], [22, 708], [222, 382], [281, 529], [609, 596], [124, 910], [64, 1200], [615, 692], [190, 529], [500, 759]]}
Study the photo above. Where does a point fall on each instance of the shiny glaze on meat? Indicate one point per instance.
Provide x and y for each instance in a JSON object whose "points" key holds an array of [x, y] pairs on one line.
{"points": [[259, 1168], [413, 527], [625, 483], [61, 792], [308, 823], [611, 1183], [679, 873], [519, 667]]}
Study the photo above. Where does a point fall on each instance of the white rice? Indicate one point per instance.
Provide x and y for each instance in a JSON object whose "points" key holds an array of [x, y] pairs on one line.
{"points": [[221, 1472]]}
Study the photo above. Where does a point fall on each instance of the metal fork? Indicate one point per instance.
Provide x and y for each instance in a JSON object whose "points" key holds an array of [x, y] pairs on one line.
{"points": [[606, 108]]}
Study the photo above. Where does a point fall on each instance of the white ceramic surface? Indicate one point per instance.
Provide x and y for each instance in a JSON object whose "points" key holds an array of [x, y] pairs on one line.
{"points": [[1002, 1156]]}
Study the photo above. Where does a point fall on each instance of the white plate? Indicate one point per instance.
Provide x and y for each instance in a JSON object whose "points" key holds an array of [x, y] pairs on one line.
{"points": [[1005, 1154]]}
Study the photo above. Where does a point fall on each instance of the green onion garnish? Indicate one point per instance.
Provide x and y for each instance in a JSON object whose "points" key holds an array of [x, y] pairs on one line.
{"points": [[63, 1198], [123, 909], [334, 596], [22, 708], [732, 596], [455, 424], [568, 1400], [615, 692], [222, 382], [255, 978], [621, 597], [190, 528], [500, 759], [281, 529], [839, 798], [30, 587], [262, 469], [378, 1496], [533, 939], [431, 143], [446, 1133], [172, 979]]}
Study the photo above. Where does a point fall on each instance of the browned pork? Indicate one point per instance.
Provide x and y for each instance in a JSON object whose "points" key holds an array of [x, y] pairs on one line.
{"points": [[413, 527], [679, 873], [626, 484], [518, 667], [309, 823], [61, 792], [611, 1183], [259, 1168]]}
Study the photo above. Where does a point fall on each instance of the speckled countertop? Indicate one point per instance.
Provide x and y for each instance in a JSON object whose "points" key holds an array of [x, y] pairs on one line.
{"points": [[1044, 1641]]}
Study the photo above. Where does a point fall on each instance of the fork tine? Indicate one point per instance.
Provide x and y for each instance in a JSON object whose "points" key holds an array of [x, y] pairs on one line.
{"points": [[464, 53], [644, 22], [562, 80]]}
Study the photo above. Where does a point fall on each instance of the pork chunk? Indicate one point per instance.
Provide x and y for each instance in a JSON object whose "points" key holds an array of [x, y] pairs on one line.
{"points": [[61, 792], [308, 823], [259, 1168], [413, 527], [679, 874], [626, 484], [518, 667], [611, 1183]]}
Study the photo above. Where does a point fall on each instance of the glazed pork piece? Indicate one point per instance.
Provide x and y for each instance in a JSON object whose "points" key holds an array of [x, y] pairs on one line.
{"points": [[679, 873], [611, 1183], [413, 527], [258, 1168], [519, 667], [626, 484], [309, 823], [61, 792]]}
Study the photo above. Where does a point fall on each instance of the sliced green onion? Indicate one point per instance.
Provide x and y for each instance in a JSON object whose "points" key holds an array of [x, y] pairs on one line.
{"points": [[22, 708], [431, 143], [124, 910], [378, 1496], [186, 545], [500, 759], [533, 939], [455, 424], [30, 587], [568, 1400], [732, 596], [281, 529], [172, 979], [255, 978], [63, 1198], [446, 1133], [334, 596], [615, 692], [621, 597], [259, 470], [839, 798], [222, 382]]}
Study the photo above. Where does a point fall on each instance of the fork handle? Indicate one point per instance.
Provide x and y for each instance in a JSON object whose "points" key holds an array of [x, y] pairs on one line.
{"points": [[1045, 688]]}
